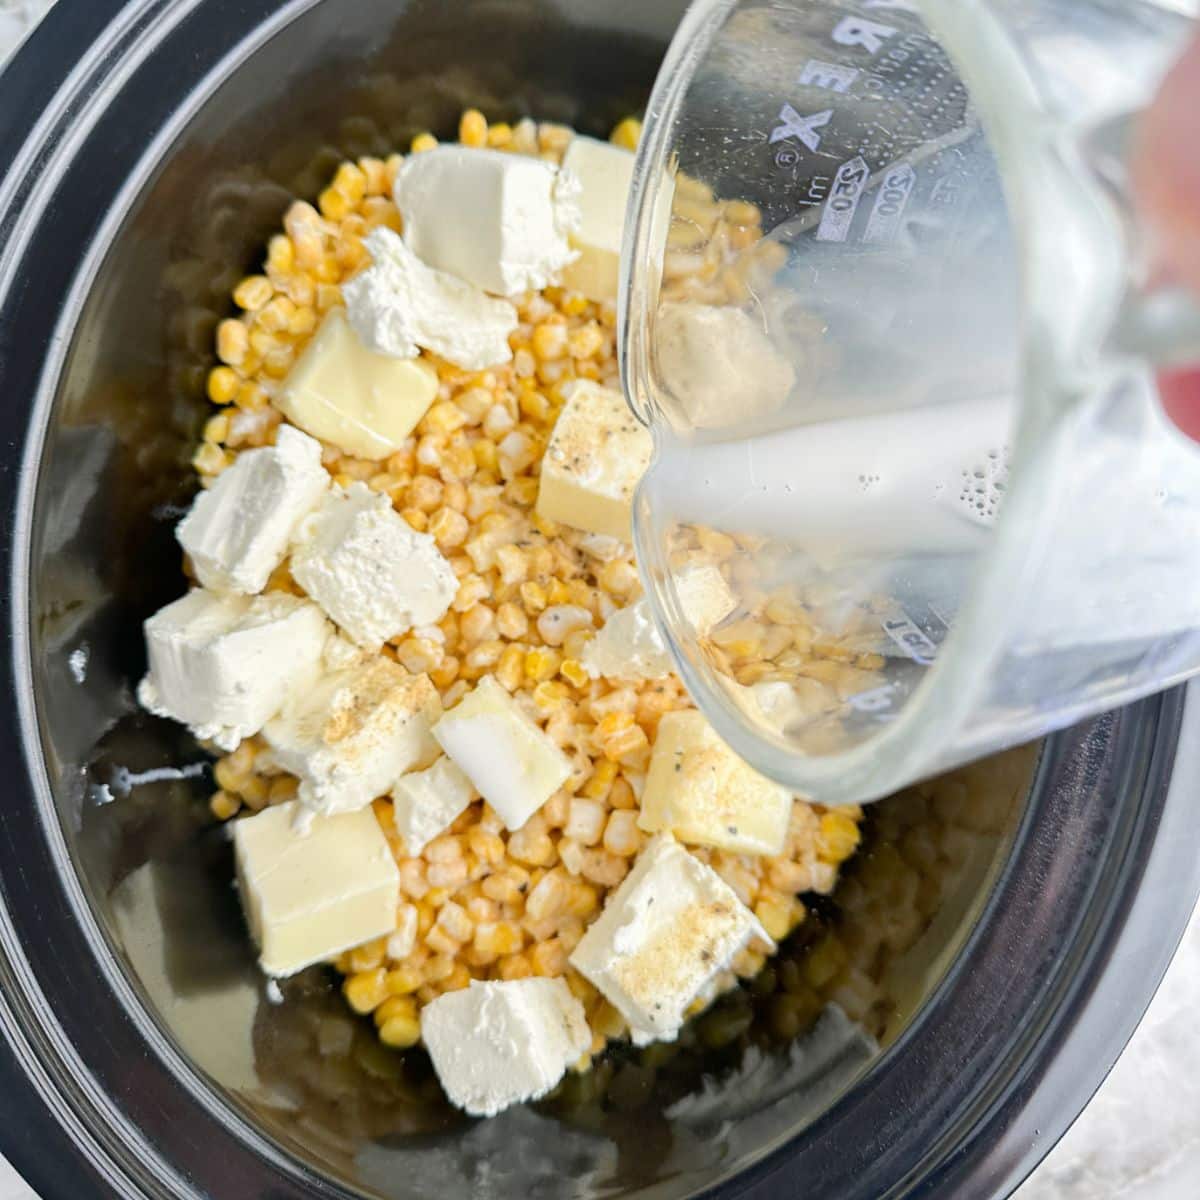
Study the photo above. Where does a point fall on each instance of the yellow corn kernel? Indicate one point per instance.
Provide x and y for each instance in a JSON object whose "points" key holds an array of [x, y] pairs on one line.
{"points": [[223, 805], [485, 454], [364, 992], [216, 429], [627, 134], [515, 966], [250, 397], [223, 384], [351, 181], [402, 981], [549, 341], [550, 696], [549, 959], [499, 135], [395, 1006], [367, 956], [253, 292], [443, 418], [498, 938], [473, 128], [233, 341], [775, 915], [541, 664], [510, 668], [400, 1032], [333, 204], [824, 961], [281, 254], [574, 304], [423, 142], [839, 837], [329, 295], [601, 781], [303, 321]]}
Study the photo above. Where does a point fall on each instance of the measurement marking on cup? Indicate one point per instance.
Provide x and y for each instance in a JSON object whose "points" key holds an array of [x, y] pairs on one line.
{"points": [[804, 129], [839, 210], [909, 636], [877, 702], [890, 202], [832, 76]]}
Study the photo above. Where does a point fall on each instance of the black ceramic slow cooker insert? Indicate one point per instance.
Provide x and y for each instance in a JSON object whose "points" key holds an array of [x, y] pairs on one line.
{"points": [[150, 148]]}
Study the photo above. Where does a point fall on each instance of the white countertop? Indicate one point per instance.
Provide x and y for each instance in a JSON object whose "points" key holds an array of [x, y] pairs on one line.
{"points": [[1139, 1139]]}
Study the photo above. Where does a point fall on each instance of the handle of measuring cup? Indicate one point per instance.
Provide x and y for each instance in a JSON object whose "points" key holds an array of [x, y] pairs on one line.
{"points": [[1159, 322]]}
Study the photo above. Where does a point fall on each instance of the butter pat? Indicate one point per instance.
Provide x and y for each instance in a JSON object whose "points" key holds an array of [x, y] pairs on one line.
{"points": [[398, 306], [629, 645], [350, 736], [719, 365], [499, 221], [498, 1044], [237, 531], [703, 793], [605, 173], [512, 763], [426, 803], [366, 404], [597, 454], [368, 568], [309, 895], [665, 933], [224, 665]]}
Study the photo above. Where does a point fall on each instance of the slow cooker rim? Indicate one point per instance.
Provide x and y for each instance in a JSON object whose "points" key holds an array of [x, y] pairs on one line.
{"points": [[17, 80]]}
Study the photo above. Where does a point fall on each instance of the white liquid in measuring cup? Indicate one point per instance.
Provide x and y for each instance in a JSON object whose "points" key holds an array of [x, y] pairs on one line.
{"points": [[923, 481]]}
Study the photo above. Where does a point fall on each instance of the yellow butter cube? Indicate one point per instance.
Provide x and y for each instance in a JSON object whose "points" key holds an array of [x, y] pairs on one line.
{"points": [[597, 454], [362, 402], [706, 795]]}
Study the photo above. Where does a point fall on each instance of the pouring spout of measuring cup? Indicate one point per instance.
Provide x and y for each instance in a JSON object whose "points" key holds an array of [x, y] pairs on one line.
{"points": [[884, 304]]}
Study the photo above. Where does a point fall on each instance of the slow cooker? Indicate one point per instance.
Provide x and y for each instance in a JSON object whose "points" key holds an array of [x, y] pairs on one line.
{"points": [[1012, 922]]}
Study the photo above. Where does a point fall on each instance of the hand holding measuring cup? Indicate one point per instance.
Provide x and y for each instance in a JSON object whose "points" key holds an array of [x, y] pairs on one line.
{"points": [[889, 312], [1170, 197]]}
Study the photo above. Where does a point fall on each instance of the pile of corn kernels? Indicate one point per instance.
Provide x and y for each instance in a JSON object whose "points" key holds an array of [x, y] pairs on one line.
{"points": [[492, 904]]}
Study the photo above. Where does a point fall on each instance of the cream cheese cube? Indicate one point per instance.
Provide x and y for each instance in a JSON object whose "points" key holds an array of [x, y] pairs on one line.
{"points": [[597, 454], [703, 793], [224, 665], [720, 366], [499, 221], [428, 802], [671, 927], [398, 305], [309, 894], [605, 174], [512, 763], [498, 1044], [346, 394], [350, 736], [629, 646], [237, 531], [368, 568]]}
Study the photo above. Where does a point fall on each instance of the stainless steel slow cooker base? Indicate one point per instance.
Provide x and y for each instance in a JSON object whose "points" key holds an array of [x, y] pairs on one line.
{"points": [[154, 145]]}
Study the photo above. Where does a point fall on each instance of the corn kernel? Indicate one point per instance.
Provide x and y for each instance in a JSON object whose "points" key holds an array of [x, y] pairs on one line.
{"points": [[510, 668], [627, 134], [253, 292], [597, 787], [839, 837], [223, 384], [423, 142], [473, 128], [775, 915], [223, 805], [366, 991], [395, 1006], [541, 664], [400, 1032], [500, 135], [402, 981]]}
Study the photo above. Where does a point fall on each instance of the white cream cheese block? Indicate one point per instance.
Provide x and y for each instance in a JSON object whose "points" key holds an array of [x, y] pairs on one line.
{"points": [[500, 221], [499, 1043], [224, 664], [352, 734], [368, 568], [237, 531], [399, 306], [665, 933]]}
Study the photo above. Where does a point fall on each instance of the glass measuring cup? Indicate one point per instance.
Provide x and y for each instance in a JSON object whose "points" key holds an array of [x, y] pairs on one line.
{"points": [[885, 309]]}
